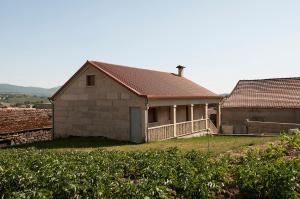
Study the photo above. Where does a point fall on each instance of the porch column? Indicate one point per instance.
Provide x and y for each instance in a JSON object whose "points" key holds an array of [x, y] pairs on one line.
{"points": [[218, 116], [146, 123], [192, 116], [206, 115], [174, 118]]}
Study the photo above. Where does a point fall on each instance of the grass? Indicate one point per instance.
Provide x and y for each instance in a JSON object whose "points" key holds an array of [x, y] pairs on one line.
{"points": [[214, 144]]}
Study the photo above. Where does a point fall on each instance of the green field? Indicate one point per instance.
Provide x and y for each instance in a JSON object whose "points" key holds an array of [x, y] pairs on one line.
{"points": [[213, 144], [21, 99], [97, 168]]}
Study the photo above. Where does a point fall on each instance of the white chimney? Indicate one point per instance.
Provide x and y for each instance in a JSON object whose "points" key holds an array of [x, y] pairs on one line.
{"points": [[180, 70]]}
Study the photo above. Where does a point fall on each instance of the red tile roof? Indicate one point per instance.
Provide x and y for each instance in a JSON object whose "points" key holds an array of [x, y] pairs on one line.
{"points": [[265, 93], [15, 120], [152, 84]]}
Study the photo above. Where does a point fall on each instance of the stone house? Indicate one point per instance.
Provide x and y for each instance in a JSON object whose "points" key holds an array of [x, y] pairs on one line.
{"points": [[268, 101], [133, 104]]}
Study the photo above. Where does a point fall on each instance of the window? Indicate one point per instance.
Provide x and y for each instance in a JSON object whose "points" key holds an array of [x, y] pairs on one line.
{"points": [[152, 115], [90, 80]]}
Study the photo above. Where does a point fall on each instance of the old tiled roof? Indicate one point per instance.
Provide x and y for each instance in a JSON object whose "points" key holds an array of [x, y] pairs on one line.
{"points": [[15, 120], [153, 84], [265, 93]]}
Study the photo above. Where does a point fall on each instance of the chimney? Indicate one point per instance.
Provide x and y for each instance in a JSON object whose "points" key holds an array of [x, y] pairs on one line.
{"points": [[180, 70]]}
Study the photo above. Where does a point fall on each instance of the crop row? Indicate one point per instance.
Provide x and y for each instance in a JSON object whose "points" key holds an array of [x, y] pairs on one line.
{"points": [[270, 173]]}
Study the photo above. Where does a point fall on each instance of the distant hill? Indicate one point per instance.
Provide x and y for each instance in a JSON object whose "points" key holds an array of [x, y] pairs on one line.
{"points": [[225, 94], [13, 89]]}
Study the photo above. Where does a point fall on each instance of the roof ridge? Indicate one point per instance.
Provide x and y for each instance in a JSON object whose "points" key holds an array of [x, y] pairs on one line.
{"points": [[276, 78], [132, 67]]}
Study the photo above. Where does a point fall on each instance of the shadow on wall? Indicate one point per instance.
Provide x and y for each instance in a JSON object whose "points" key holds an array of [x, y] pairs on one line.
{"points": [[75, 142]]}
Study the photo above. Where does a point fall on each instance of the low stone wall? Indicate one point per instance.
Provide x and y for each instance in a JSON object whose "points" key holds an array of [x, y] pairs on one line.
{"points": [[25, 137], [256, 127]]}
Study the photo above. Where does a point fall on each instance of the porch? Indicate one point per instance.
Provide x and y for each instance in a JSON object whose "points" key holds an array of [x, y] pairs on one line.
{"points": [[166, 122]]}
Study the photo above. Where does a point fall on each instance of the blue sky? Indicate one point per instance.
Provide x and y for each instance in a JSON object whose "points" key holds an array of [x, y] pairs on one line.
{"points": [[42, 43]]}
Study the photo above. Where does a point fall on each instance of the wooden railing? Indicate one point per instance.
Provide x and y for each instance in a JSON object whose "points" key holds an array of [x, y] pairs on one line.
{"points": [[183, 128], [199, 125], [161, 132], [212, 127]]}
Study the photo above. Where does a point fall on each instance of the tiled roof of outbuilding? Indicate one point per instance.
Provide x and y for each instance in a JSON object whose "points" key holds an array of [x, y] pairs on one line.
{"points": [[265, 93]]}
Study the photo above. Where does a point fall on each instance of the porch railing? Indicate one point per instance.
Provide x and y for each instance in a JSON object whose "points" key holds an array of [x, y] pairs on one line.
{"points": [[161, 132], [212, 127], [199, 125], [183, 128]]}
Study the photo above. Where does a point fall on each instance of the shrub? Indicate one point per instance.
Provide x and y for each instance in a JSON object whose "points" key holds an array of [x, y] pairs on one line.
{"points": [[269, 173]]}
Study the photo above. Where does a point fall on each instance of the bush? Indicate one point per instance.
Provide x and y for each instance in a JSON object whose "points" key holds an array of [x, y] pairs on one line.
{"points": [[270, 173]]}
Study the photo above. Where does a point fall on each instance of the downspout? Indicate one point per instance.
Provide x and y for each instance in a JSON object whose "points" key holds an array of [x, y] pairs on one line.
{"points": [[51, 101], [146, 119]]}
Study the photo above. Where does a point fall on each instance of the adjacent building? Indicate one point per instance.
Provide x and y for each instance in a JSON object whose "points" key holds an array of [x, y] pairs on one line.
{"points": [[134, 104], [275, 103]]}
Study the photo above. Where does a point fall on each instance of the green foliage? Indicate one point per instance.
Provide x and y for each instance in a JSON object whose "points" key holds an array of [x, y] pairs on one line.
{"points": [[154, 174], [172, 173], [270, 173], [21, 99]]}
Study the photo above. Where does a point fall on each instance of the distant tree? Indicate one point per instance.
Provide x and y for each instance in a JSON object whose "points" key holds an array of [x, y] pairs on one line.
{"points": [[18, 104]]}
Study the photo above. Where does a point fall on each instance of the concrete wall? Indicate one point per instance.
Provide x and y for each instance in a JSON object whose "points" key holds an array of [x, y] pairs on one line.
{"points": [[255, 127], [100, 110], [236, 117], [199, 112], [163, 116]]}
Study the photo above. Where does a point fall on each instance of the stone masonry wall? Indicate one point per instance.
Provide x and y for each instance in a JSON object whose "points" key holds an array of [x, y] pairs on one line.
{"points": [[255, 127], [24, 137], [100, 110], [236, 117]]}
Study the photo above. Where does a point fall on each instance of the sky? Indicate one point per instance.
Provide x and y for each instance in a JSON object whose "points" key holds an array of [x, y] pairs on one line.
{"points": [[43, 43]]}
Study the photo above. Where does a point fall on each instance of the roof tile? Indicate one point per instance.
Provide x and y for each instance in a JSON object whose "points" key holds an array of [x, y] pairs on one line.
{"points": [[154, 84], [265, 93]]}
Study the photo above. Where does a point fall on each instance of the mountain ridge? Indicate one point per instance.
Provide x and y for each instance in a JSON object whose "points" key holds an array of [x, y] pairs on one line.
{"points": [[27, 90]]}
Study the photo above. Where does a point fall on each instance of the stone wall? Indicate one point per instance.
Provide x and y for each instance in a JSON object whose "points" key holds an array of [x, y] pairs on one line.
{"points": [[100, 110], [25, 137], [255, 127], [236, 117]]}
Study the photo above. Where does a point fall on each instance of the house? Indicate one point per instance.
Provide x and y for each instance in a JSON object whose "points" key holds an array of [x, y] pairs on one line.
{"points": [[270, 102], [134, 104]]}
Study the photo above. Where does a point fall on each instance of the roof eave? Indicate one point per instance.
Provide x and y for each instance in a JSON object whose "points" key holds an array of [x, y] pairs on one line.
{"points": [[262, 107], [183, 97]]}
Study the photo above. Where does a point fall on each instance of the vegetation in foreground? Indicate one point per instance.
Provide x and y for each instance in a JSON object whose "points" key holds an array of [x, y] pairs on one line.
{"points": [[260, 173]]}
